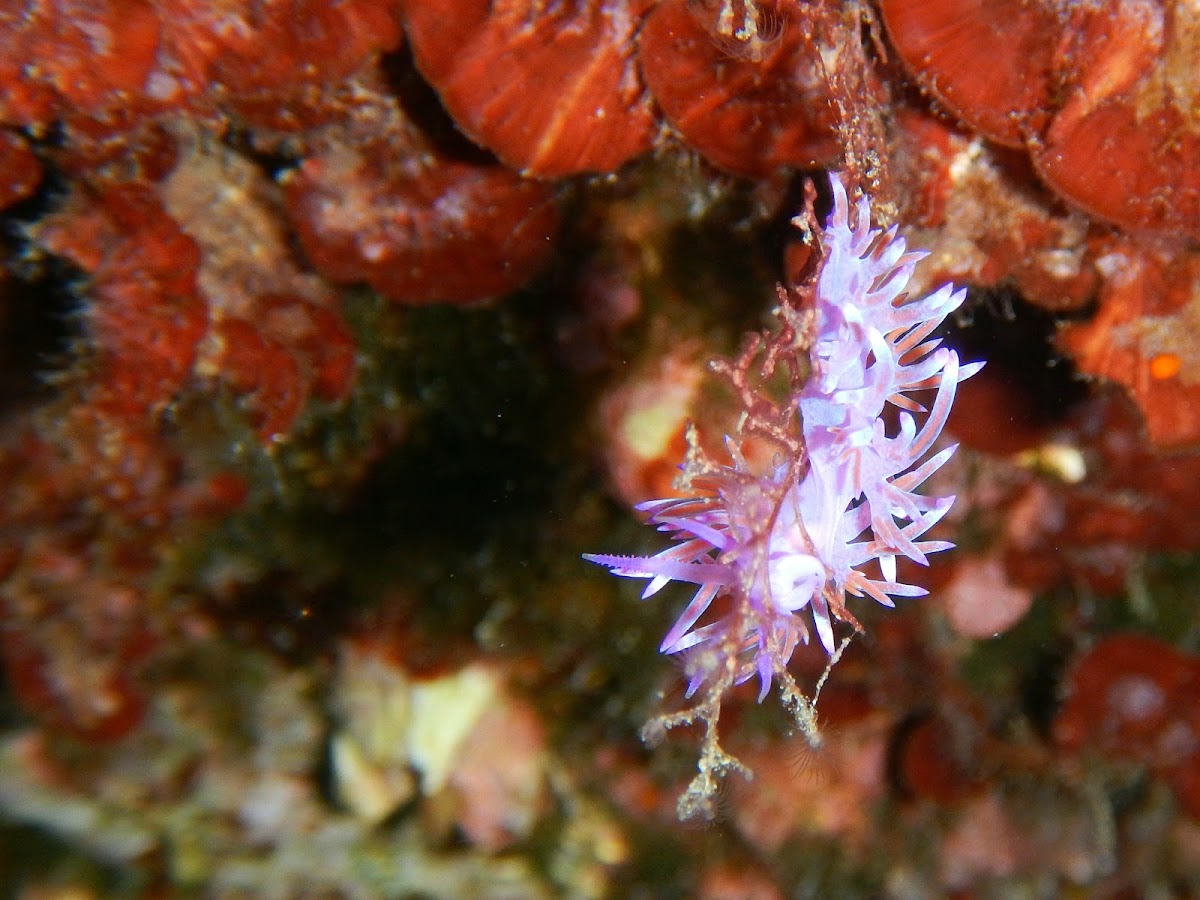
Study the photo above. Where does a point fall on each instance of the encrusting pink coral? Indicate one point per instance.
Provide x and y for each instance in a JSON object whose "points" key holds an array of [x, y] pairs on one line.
{"points": [[842, 491]]}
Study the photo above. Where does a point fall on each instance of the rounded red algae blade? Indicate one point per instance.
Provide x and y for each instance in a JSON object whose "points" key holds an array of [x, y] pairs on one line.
{"points": [[1125, 146], [552, 90], [748, 91], [987, 60], [1125, 694], [420, 228]]}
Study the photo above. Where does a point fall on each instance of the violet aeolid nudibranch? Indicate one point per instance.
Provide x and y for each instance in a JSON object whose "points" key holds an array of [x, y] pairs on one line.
{"points": [[840, 502]]}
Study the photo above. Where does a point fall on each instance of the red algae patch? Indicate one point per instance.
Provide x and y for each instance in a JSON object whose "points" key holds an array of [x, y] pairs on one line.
{"points": [[147, 317], [20, 169], [68, 55], [1140, 338]]}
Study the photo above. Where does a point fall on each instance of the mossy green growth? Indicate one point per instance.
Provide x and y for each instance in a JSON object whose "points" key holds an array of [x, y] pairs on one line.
{"points": [[452, 476]]}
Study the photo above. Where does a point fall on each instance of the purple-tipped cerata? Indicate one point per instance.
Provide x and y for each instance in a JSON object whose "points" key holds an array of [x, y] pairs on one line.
{"points": [[795, 540]]}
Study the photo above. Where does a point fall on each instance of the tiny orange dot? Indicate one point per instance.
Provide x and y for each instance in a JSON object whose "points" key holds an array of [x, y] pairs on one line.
{"points": [[1164, 366]]}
